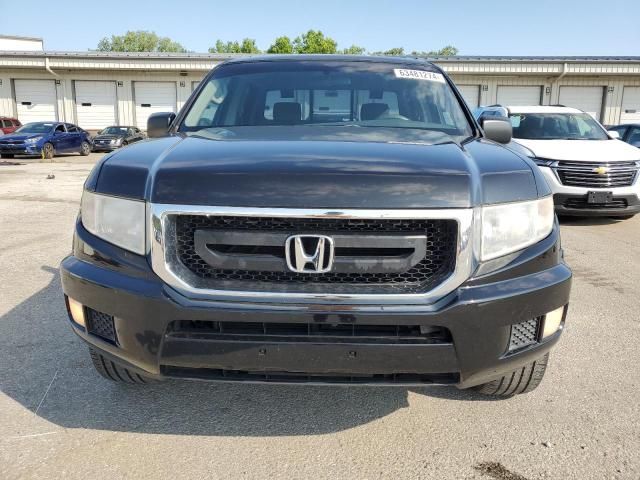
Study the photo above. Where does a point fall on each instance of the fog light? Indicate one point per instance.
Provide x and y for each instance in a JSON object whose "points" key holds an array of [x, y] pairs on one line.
{"points": [[552, 321], [76, 309]]}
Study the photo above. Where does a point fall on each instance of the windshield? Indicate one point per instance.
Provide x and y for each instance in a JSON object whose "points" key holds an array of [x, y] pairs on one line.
{"points": [[35, 128], [556, 126], [316, 94], [114, 131]]}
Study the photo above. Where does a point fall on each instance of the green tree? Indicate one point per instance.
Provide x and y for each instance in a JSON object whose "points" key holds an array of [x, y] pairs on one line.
{"points": [[395, 52], [448, 51], [314, 41], [222, 47], [354, 50], [248, 45], [139, 41], [281, 45]]}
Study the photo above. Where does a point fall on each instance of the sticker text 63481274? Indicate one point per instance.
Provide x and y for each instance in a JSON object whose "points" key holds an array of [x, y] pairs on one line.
{"points": [[418, 75]]}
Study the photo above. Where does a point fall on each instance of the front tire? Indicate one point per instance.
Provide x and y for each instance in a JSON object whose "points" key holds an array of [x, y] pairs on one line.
{"points": [[85, 149], [522, 380], [48, 151], [114, 372]]}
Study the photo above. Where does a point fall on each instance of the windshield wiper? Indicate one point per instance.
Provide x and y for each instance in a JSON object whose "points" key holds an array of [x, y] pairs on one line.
{"points": [[581, 138], [332, 124]]}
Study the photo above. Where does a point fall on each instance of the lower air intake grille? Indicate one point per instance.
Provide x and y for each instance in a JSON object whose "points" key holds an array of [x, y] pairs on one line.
{"points": [[311, 332], [524, 334], [101, 325], [582, 203], [289, 377]]}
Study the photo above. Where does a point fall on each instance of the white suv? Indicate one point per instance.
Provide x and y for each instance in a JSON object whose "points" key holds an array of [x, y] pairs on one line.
{"points": [[589, 171]]}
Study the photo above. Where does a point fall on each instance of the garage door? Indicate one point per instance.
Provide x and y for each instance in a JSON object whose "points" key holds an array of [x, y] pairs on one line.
{"points": [[96, 104], [194, 85], [630, 105], [587, 99], [36, 100], [516, 95], [471, 94], [152, 97]]}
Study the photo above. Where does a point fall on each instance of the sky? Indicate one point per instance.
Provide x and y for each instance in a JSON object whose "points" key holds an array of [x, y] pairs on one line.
{"points": [[475, 27]]}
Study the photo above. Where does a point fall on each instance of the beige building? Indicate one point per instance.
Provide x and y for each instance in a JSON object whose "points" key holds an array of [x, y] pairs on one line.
{"points": [[12, 43], [96, 89]]}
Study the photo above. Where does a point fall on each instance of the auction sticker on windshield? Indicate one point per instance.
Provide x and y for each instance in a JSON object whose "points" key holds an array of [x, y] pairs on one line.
{"points": [[418, 75]]}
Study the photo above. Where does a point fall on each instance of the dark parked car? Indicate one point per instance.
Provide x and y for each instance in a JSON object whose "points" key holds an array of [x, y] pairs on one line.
{"points": [[46, 139], [115, 137], [9, 125], [396, 244], [629, 133]]}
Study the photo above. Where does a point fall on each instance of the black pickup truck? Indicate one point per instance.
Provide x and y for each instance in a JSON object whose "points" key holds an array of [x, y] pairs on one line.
{"points": [[320, 219]]}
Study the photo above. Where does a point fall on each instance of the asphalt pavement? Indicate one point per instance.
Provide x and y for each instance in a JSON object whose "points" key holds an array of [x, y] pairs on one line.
{"points": [[59, 419]]}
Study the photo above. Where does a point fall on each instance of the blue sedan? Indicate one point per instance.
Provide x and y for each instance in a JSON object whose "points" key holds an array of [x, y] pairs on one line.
{"points": [[46, 139]]}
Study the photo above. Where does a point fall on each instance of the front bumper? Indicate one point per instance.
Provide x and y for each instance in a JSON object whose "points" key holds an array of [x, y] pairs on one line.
{"points": [[573, 200], [577, 206], [105, 147], [478, 315], [25, 149]]}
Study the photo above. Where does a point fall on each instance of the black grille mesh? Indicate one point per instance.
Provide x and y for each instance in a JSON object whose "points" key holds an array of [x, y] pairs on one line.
{"points": [[523, 334], [101, 324], [437, 264]]}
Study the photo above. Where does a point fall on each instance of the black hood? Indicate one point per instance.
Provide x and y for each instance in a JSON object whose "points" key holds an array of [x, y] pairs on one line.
{"points": [[301, 167]]}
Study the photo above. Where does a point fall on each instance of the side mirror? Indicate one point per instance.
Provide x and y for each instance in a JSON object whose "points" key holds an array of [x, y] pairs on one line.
{"points": [[613, 134], [158, 124], [498, 129]]}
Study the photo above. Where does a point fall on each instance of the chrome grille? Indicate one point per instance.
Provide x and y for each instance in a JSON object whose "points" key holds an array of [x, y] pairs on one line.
{"points": [[169, 267], [597, 174]]}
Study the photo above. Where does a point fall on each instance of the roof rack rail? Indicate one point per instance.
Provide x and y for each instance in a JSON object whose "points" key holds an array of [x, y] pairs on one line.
{"points": [[557, 105]]}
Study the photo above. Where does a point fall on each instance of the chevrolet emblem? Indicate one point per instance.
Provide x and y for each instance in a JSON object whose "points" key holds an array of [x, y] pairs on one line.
{"points": [[601, 170]]}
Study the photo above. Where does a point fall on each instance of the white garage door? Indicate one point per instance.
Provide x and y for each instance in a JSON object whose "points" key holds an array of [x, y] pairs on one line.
{"points": [[96, 104], [36, 100], [471, 95], [519, 95], [587, 99], [152, 97], [630, 105]]}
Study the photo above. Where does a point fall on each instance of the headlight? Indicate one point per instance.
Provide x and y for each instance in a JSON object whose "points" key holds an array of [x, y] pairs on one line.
{"points": [[117, 220], [510, 227], [116, 141], [33, 140]]}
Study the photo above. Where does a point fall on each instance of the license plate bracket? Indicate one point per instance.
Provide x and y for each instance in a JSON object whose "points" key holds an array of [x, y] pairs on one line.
{"points": [[599, 197]]}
